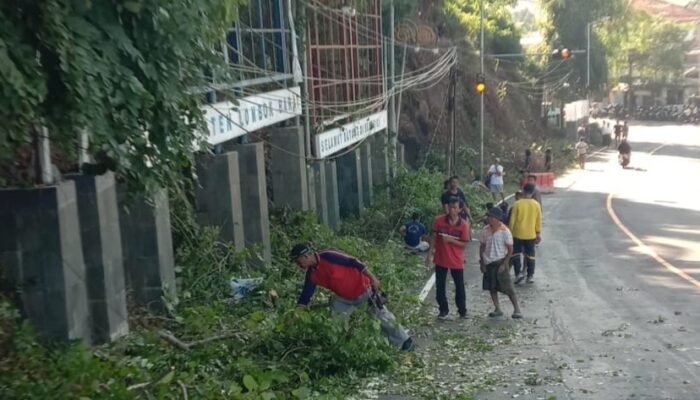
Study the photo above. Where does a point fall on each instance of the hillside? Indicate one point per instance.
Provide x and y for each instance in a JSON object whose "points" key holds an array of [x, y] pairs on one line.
{"points": [[512, 117]]}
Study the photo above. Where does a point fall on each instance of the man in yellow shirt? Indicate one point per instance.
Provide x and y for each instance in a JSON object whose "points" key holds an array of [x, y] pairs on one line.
{"points": [[525, 224]]}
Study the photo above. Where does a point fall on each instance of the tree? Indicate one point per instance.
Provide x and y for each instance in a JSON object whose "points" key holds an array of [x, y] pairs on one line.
{"points": [[652, 46], [123, 70], [566, 26], [501, 33]]}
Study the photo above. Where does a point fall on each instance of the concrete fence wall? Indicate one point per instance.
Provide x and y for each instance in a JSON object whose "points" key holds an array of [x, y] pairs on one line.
{"points": [[76, 251]]}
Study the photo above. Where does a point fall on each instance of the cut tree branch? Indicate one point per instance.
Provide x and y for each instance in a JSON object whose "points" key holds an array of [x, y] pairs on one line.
{"points": [[170, 338]]}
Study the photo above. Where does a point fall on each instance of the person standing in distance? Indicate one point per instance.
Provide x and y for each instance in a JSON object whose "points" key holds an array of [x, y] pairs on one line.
{"points": [[495, 174], [450, 235], [581, 150], [525, 225], [532, 179], [495, 251], [453, 190]]}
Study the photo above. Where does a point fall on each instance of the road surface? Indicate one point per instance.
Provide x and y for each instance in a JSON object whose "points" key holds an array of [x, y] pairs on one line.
{"points": [[616, 303], [614, 312]]}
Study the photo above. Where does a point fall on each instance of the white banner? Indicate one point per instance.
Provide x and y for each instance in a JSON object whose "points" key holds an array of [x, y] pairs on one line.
{"points": [[574, 112], [337, 139], [226, 121]]}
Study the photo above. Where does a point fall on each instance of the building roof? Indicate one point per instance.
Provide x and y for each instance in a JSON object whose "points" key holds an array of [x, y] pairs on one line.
{"points": [[666, 10]]}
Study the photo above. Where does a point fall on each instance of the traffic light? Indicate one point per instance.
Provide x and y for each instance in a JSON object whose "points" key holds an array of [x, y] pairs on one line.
{"points": [[480, 83], [563, 54]]}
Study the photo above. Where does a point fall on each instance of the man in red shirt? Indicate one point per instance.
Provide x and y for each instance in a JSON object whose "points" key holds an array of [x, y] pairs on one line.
{"points": [[449, 237], [352, 283]]}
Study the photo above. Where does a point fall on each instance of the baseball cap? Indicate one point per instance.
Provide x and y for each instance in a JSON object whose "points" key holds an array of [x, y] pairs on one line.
{"points": [[495, 212], [299, 250]]}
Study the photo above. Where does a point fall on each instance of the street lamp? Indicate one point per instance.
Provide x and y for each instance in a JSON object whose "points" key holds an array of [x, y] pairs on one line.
{"points": [[588, 48]]}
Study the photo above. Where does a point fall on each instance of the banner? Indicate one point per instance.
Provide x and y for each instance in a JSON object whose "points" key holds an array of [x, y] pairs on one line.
{"points": [[226, 120], [337, 139]]}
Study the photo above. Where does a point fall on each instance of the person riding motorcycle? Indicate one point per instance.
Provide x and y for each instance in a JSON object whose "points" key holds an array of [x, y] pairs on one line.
{"points": [[625, 152]]}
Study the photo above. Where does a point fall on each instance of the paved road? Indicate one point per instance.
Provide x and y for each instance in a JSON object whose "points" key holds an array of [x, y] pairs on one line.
{"points": [[615, 309], [613, 322]]}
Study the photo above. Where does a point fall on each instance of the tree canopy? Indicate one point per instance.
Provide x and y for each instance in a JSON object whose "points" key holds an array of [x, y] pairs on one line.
{"points": [[501, 33], [652, 46], [566, 27], [123, 70]]}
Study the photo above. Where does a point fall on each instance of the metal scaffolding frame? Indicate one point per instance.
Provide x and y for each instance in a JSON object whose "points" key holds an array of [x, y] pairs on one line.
{"points": [[261, 38], [344, 55]]}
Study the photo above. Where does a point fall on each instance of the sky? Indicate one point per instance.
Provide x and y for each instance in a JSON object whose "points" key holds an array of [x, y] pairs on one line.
{"points": [[533, 5]]}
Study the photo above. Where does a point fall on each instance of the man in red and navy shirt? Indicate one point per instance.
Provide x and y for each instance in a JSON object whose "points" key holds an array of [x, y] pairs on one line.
{"points": [[351, 282], [449, 237]]}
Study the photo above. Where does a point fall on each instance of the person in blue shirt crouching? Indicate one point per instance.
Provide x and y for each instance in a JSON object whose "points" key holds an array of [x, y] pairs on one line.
{"points": [[414, 234]]}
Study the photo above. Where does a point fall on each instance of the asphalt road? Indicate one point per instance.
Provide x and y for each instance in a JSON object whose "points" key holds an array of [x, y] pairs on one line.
{"points": [[612, 317]]}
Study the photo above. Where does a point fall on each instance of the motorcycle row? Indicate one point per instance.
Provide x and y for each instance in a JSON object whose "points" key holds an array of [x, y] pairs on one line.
{"points": [[679, 113], [685, 114]]}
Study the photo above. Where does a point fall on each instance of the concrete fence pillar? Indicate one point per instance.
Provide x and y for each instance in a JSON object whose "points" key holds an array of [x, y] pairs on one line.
{"points": [[256, 219], [41, 257], [320, 184], [350, 183], [366, 166], [148, 248], [332, 193], [219, 196], [102, 251], [401, 156], [380, 159], [288, 168]]}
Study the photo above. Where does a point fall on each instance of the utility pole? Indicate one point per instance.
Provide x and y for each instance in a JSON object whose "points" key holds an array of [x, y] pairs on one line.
{"points": [[454, 114], [588, 56], [393, 134], [481, 118], [452, 150]]}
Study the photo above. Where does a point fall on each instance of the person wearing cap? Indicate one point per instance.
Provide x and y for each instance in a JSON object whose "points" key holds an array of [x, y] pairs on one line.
{"points": [[353, 285], [495, 251], [495, 174], [450, 235], [525, 225]]}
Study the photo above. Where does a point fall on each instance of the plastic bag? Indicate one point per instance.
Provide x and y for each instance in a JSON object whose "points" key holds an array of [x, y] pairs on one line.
{"points": [[240, 287]]}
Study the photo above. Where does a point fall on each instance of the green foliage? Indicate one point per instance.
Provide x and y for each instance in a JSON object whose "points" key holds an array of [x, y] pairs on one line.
{"points": [[566, 27], [501, 32], [270, 349], [122, 70], [653, 46], [415, 191]]}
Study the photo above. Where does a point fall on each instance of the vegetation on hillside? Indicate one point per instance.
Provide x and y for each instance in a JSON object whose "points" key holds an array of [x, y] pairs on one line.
{"points": [[124, 71]]}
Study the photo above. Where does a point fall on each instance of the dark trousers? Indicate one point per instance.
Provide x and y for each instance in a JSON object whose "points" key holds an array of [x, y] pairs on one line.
{"points": [[527, 249], [440, 295]]}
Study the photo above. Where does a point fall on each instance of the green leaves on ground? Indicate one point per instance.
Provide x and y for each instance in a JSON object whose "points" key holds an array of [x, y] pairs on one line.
{"points": [[262, 347]]}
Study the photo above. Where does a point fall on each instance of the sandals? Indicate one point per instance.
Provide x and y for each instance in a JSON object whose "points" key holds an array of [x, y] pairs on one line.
{"points": [[517, 315], [495, 314]]}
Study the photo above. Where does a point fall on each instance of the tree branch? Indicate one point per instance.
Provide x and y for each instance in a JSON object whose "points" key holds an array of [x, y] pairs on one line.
{"points": [[170, 338]]}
